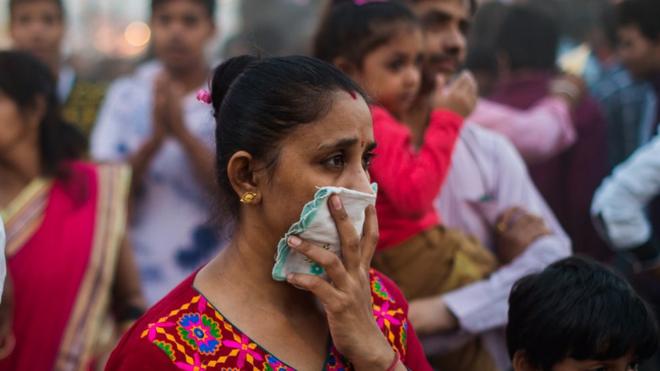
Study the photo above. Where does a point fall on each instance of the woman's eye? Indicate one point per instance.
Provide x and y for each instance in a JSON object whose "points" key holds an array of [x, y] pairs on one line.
{"points": [[336, 161], [367, 160]]}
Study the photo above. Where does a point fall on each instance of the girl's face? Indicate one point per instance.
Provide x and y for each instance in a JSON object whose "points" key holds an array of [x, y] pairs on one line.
{"points": [[333, 151], [391, 73]]}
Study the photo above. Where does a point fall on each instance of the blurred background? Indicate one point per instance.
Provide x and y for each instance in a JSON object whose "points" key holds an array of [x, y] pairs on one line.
{"points": [[107, 38]]}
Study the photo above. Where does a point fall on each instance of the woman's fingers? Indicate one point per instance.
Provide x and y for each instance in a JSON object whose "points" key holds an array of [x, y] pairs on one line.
{"points": [[348, 236], [327, 260], [316, 285], [369, 236]]}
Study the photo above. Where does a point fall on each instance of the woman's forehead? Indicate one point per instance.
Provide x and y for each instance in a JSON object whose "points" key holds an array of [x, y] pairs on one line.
{"points": [[348, 117]]}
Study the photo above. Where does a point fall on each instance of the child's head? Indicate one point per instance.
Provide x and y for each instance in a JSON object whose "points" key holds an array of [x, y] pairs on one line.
{"points": [[578, 315], [37, 27], [379, 44], [527, 40], [181, 30]]}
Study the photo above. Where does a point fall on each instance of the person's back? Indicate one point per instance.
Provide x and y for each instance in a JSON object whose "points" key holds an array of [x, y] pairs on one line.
{"points": [[578, 315], [568, 180]]}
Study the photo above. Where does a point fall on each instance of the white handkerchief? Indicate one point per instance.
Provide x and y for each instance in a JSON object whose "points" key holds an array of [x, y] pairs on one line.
{"points": [[317, 226]]}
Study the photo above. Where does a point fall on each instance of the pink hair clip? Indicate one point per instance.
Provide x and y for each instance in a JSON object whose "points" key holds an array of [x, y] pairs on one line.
{"points": [[204, 96]]}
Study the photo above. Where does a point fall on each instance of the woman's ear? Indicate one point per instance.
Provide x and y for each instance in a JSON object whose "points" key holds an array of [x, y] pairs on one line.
{"points": [[243, 176], [521, 363]]}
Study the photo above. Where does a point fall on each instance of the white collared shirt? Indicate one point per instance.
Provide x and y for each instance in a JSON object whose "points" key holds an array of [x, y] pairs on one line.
{"points": [[622, 198]]}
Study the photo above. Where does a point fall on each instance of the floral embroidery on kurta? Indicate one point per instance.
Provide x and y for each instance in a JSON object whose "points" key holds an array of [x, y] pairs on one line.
{"points": [[197, 337]]}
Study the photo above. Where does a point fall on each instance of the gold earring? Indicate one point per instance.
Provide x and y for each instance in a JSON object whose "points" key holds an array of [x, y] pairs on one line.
{"points": [[248, 198]]}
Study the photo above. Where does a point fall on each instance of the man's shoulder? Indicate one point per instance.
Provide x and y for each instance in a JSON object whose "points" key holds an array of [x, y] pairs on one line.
{"points": [[482, 139]]}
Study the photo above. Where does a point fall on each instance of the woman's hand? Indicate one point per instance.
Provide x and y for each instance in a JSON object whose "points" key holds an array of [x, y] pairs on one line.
{"points": [[347, 300]]}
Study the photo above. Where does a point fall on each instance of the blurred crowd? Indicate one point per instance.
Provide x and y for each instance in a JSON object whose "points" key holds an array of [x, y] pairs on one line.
{"points": [[510, 136]]}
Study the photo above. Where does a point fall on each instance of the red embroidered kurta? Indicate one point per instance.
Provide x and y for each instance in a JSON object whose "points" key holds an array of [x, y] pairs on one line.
{"points": [[185, 332]]}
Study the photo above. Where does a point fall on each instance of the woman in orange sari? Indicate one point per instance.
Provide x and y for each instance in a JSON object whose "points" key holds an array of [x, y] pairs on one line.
{"points": [[65, 225]]}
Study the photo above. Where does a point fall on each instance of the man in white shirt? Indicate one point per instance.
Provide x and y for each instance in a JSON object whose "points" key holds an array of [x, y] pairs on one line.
{"points": [[152, 120], [488, 178]]}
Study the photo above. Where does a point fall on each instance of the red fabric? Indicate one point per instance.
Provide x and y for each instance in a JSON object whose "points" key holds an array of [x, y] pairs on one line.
{"points": [[160, 340], [408, 180], [47, 271]]}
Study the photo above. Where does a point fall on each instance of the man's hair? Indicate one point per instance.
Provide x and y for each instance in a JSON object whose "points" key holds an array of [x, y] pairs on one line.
{"points": [[209, 5], [580, 309], [14, 3], [644, 14], [528, 38]]}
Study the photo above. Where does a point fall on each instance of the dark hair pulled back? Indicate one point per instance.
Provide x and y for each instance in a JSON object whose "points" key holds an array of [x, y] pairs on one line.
{"points": [[258, 101]]}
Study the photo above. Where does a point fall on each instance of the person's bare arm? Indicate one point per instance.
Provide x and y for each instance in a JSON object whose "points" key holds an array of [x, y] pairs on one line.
{"points": [[128, 299]]}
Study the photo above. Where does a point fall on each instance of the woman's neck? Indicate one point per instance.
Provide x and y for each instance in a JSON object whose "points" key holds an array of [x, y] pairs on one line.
{"points": [[17, 169], [246, 264]]}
